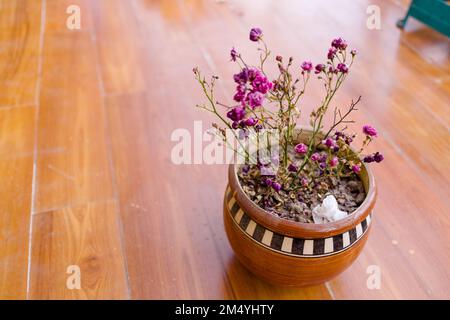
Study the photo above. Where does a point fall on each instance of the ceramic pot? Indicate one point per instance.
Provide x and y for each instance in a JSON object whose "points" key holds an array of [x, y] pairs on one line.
{"points": [[291, 253]]}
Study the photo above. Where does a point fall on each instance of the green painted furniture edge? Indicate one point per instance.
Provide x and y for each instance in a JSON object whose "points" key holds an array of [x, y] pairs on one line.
{"points": [[434, 13]]}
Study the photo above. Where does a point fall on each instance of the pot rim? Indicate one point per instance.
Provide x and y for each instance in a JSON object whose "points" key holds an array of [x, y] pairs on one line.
{"points": [[302, 229]]}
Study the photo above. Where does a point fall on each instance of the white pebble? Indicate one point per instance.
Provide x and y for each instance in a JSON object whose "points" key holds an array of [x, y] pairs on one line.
{"points": [[328, 211]]}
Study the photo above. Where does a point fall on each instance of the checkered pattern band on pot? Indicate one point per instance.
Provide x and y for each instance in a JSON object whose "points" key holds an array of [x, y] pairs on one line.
{"points": [[297, 247]]}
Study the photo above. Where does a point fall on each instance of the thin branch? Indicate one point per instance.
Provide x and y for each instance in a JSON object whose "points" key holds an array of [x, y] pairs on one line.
{"points": [[342, 118]]}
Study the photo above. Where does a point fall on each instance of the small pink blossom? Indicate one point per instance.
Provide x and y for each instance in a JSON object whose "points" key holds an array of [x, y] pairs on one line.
{"points": [[276, 186], [255, 99], [239, 96], [342, 67], [236, 114], [331, 53], [356, 168], [255, 34], [339, 43], [319, 68], [330, 143], [370, 131], [261, 84], [250, 122], [301, 148], [315, 156], [333, 162], [307, 66], [234, 54]]}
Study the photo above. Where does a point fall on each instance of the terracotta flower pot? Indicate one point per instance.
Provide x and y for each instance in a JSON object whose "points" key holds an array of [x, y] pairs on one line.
{"points": [[292, 253]]}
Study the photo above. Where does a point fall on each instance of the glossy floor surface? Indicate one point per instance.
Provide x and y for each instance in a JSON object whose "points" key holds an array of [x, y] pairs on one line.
{"points": [[86, 116]]}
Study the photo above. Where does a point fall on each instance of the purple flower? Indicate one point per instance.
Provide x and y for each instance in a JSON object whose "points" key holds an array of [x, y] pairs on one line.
{"points": [[304, 182], [378, 157], [370, 131], [307, 66], [315, 157], [250, 122], [275, 85], [276, 186], [261, 84], [241, 87], [239, 96], [240, 92], [255, 99], [301, 148], [253, 73], [331, 53], [235, 125], [342, 67], [335, 43], [319, 68], [236, 114], [234, 54], [356, 168], [255, 34], [330, 143], [268, 182], [368, 159], [339, 134], [241, 77], [248, 74], [245, 168], [292, 168], [333, 162], [339, 43]]}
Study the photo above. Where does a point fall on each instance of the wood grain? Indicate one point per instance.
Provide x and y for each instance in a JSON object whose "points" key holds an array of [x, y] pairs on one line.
{"points": [[71, 124], [165, 259], [15, 202], [92, 110], [75, 218], [83, 236], [16, 165], [20, 28], [119, 58], [19, 57]]}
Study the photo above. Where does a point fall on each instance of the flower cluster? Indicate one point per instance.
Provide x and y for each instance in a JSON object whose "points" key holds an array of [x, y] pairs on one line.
{"points": [[376, 157], [327, 152], [252, 87], [338, 153]]}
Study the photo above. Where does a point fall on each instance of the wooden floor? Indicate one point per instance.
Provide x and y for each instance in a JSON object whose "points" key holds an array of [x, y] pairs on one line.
{"points": [[85, 122]]}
